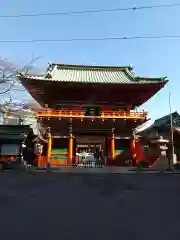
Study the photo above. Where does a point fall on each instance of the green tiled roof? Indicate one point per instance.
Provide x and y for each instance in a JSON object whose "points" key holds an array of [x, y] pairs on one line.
{"points": [[95, 74], [15, 132]]}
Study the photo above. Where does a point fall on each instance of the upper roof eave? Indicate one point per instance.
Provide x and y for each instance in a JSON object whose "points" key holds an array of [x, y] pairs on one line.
{"points": [[140, 81], [36, 77]]}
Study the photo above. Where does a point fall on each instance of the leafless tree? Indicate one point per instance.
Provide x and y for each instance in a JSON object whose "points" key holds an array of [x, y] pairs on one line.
{"points": [[9, 72], [9, 84], [7, 76]]}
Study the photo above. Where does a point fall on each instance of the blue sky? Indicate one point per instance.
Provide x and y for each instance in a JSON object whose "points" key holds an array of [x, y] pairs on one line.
{"points": [[152, 58]]}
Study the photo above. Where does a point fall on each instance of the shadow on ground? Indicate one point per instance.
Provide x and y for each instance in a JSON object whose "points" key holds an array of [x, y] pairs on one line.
{"points": [[92, 206]]}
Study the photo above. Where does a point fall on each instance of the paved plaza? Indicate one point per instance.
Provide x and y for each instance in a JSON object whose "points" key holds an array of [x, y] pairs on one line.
{"points": [[59, 205]]}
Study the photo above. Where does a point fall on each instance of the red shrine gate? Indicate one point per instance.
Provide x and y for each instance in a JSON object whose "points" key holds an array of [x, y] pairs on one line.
{"points": [[94, 101]]}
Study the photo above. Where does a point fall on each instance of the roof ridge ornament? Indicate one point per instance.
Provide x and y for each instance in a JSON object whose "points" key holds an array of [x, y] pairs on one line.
{"points": [[49, 70], [50, 67], [131, 67]]}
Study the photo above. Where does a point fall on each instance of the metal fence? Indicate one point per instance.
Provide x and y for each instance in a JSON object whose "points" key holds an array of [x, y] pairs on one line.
{"points": [[89, 162], [93, 164]]}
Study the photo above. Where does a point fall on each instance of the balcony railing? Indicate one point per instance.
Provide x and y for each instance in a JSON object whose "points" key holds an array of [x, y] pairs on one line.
{"points": [[81, 114], [128, 115]]}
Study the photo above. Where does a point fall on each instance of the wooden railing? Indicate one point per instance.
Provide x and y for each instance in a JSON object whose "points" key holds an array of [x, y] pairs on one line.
{"points": [[59, 113], [80, 114], [128, 115]]}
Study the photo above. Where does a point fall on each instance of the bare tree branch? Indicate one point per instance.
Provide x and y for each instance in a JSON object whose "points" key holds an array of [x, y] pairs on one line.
{"points": [[8, 74], [28, 65], [9, 88], [9, 80]]}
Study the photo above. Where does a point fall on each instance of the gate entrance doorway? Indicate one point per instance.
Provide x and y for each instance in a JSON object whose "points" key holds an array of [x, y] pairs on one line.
{"points": [[89, 143], [90, 149]]}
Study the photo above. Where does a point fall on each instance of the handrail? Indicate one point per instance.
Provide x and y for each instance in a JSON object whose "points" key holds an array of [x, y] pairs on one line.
{"points": [[59, 111], [80, 114], [56, 113], [116, 113]]}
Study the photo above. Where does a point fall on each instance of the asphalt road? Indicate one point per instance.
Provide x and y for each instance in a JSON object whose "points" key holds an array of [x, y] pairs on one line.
{"points": [[92, 206]]}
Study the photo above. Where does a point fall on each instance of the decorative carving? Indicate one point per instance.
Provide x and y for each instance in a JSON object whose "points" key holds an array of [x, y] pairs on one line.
{"points": [[46, 106], [113, 131], [48, 76]]}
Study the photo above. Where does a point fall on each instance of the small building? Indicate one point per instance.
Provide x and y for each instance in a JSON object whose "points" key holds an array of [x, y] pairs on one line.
{"points": [[162, 127], [90, 108], [11, 139]]}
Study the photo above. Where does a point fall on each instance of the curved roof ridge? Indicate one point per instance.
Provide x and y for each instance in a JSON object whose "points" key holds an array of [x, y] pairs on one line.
{"points": [[174, 114], [93, 67], [152, 78]]}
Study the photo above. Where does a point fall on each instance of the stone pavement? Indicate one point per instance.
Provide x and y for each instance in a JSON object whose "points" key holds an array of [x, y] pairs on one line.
{"points": [[89, 206], [106, 170]]}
